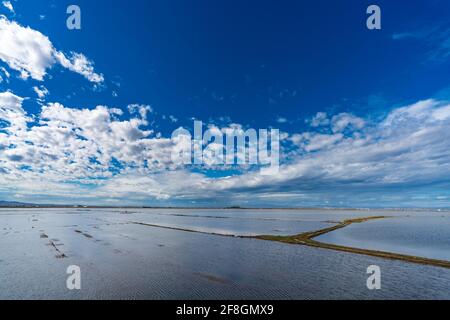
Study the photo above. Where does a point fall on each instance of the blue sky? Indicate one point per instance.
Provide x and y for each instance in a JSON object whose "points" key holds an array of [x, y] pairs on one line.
{"points": [[363, 113]]}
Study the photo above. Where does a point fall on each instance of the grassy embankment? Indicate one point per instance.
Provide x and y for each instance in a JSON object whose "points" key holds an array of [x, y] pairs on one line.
{"points": [[307, 239]]}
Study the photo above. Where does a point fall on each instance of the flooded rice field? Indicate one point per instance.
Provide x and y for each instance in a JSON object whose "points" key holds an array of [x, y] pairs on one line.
{"points": [[210, 254]]}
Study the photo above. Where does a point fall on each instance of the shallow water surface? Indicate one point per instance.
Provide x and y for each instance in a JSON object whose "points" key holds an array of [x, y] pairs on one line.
{"points": [[423, 236], [123, 260]]}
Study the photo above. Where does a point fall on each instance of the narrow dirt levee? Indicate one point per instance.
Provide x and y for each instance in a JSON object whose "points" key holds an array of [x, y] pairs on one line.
{"points": [[307, 239]]}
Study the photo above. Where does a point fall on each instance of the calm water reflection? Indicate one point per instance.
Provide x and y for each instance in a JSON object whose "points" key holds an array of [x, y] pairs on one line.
{"points": [[120, 260]]}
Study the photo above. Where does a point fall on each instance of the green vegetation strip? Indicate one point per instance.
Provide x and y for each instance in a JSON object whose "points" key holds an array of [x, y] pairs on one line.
{"points": [[307, 239]]}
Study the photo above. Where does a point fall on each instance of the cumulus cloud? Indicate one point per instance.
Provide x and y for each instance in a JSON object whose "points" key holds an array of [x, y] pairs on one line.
{"points": [[310, 141], [143, 110], [31, 53], [8, 100], [82, 153], [344, 121], [78, 63], [320, 119], [11, 111], [74, 144], [41, 91], [406, 149]]}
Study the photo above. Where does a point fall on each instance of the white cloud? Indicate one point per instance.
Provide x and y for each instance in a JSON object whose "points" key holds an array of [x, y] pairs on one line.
{"points": [[41, 91], [8, 5], [390, 153], [343, 121], [141, 109], [25, 50], [75, 144], [315, 141], [6, 73], [12, 112], [63, 145], [320, 119], [78, 63], [10, 101], [31, 53]]}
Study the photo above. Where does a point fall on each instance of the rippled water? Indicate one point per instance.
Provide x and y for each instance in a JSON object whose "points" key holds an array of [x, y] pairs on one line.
{"points": [[123, 260], [424, 236]]}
